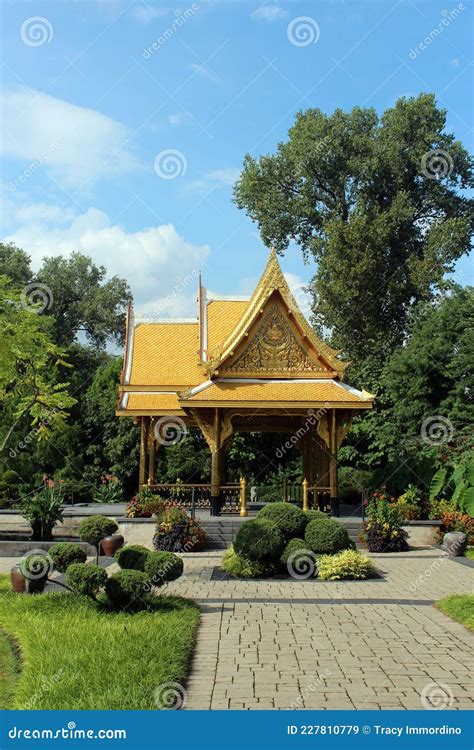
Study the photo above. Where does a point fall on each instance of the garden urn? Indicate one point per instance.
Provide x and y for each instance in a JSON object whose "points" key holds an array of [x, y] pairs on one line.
{"points": [[17, 579], [455, 543], [111, 544]]}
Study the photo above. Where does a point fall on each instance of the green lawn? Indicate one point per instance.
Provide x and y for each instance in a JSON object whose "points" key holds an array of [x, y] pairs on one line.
{"points": [[469, 553], [459, 607], [73, 656]]}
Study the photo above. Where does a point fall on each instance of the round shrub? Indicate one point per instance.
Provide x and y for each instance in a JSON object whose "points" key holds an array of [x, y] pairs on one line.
{"points": [[289, 519], [326, 536], [95, 528], [349, 565], [259, 540], [294, 545], [162, 567], [315, 515], [241, 567], [86, 579], [127, 588], [65, 554], [132, 557]]}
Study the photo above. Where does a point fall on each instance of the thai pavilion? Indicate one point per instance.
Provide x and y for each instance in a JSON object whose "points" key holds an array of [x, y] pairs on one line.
{"points": [[244, 364]]}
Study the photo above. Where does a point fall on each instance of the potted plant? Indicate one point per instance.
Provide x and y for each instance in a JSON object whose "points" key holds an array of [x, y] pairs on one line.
{"points": [[31, 574], [145, 504], [43, 509], [97, 530], [177, 532], [383, 529], [109, 490]]}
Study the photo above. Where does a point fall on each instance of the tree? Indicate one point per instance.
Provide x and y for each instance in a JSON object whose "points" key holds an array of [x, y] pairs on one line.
{"points": [[29, 357], [15, 264], [377, 202], [83, 302]]}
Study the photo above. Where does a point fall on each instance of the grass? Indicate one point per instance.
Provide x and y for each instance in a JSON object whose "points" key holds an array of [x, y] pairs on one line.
{"points": [[459, 607], [74, 656], [469, 553]]}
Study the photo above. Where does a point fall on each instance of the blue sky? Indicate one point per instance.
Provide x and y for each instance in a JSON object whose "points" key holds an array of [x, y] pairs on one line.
{"points": [[95, 95]]}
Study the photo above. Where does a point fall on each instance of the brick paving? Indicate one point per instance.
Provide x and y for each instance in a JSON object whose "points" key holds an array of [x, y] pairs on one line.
{"points": [[309, 644]]}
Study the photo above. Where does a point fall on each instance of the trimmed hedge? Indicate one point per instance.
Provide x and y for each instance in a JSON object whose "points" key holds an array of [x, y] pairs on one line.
{"points": [[289, 519], [86, 579], [161, 567], [95, 528], [327, 536], [294, 545], [127, 588], [65, 554], [241, 567], [348, 565], [259, 540], [132, 557], [315, 515]]}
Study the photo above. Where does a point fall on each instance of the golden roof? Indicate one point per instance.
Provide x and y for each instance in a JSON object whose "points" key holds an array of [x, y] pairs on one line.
{"points": [[139, 403], [280, 391], [165, 354], [222, 317]]}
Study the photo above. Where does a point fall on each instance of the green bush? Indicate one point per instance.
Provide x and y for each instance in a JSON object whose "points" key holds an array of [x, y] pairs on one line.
{"points": [[132, 557], [86, 579], [65, 554], [162, 567], [315, 515], [326, 536], [345, 565], [289, 519], [127, 588], [95, 528], [294, 545], [259, 540], [241, 567]]}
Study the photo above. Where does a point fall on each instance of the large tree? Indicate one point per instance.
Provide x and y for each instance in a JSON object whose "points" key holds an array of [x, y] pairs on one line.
{"points": [[377, 202]]}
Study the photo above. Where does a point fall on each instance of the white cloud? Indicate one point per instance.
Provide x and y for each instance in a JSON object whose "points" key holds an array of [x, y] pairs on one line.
{"points": [[216, 178], [298, 288], [74, 144], [145, 13], [176, 118], [160, 265], [204, 71], [269, 13], [43, 213]]}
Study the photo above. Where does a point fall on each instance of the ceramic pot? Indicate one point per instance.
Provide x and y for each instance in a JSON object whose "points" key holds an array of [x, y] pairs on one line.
{"points": [[111, 544], [18, 582], [455, 543]]}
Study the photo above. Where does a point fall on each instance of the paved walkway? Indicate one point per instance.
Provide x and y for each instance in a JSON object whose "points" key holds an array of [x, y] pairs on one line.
{"points": [[355, 644]]}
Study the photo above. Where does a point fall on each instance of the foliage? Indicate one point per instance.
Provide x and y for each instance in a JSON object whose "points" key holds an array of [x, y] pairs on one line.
{"points": [[163, 567], [294, 545], [326, 536], [176, 531], [145, 504], [43, 509], [132, 556], [259, 540], [314, 515], [352, 191], [348, 564], [86, 579], [384, 532], [65, 554], [410, 503], [459, 607], [452, 520], [95, 528], [289, 519], [127, 588], [458, 484], [109, 490], [70, 653], [238, 566], [36, 567]]}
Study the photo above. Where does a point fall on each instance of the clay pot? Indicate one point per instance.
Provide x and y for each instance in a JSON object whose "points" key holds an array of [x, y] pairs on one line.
{"points": [[18, 582], [111, 544], [455, 543]]}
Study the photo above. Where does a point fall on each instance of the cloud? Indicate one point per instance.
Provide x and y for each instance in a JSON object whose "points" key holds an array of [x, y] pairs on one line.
{"points": [[159, 264], [215, 178], [204, 71], [176, 118], [44, 214], [298, 288], [145, 13], [269, 13], [73, 144]]}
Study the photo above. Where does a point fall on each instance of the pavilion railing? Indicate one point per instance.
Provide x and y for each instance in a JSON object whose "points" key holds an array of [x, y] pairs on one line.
{"points": [[316, 496], [198, 496]]}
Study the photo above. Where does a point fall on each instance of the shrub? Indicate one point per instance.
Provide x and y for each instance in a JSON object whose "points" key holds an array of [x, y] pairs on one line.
{"points": [[315, 515], [86, 579], [109, 490], [95, 528], [162, 567], [132, 557], [294, 545], [326, 536], [289, 519], [409, 504], [454, 520], [259, 540], [345, 565], [177, 532], [241, 567], [65, 554], [43, 510], [127, 588], [383, 530], [145, 504], [36, 567]]}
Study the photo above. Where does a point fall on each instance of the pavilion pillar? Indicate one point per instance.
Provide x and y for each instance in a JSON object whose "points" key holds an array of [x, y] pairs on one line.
{"points": [[151, 456], [143, 465], [216, 466], [334, 499]]}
